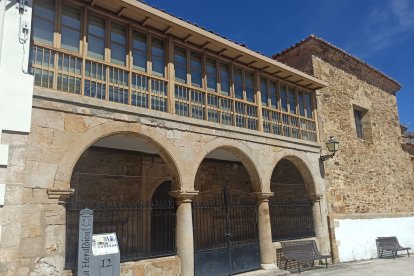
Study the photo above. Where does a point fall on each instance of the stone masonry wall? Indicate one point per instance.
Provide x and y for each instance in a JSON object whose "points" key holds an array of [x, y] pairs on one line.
{"points": [[373, 176], [64, 126]]}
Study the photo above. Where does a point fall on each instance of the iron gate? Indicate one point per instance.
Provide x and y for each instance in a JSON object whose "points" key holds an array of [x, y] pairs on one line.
{"points": [[225, 233]]}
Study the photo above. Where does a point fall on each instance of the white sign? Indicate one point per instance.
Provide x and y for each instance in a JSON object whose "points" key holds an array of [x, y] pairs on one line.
{"points": [[104, 244]]}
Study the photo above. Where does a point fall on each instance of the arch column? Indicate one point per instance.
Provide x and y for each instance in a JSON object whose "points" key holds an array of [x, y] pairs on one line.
{"points": [[184, 231], [267, 251]]}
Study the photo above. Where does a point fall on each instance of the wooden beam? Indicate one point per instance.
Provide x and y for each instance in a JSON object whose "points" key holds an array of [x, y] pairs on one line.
{"points": [[121, 11], [222, 51], [168, 30], [236, 58], [205, 45], [146, 20], [264, 68], [275, 74], [285, 78], [188, 38], [93, 3], [251, 63], [296, 82]]}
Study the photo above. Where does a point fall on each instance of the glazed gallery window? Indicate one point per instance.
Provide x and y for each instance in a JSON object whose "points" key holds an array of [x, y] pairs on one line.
{"points": [[139, 51], [44, 21], [180, 64], [71, 25], [96, 37]]}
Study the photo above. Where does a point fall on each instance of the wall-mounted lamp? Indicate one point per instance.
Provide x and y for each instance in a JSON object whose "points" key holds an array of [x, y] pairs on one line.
{"points": [[333, 145]]}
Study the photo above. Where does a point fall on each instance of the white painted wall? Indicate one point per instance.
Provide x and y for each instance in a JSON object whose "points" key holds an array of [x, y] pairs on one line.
{"points": [[16, 85], [356, 237]]}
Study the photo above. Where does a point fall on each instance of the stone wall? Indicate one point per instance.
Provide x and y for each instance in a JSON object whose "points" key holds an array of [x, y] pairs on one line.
{"points": [[64, 126], [366, 176]]}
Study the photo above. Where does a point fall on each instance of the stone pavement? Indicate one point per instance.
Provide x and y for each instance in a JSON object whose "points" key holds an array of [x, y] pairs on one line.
{"points": [[400, 266]]}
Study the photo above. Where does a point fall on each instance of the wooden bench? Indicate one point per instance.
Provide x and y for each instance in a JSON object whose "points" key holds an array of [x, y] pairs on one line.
{"points": [[302, 251], [390, 244]]}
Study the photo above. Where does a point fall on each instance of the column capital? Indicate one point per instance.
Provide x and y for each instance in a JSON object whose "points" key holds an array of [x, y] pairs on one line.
{"points": [[263, 196], [182, 195]]}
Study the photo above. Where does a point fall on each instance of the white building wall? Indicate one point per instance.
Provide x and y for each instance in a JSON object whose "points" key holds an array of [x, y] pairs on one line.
{"points": [[16, 84], [356, 237]]}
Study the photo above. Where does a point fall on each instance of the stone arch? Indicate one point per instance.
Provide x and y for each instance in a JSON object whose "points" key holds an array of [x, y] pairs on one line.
{"points": [[240, 150], [301, 162], [164, 148]]}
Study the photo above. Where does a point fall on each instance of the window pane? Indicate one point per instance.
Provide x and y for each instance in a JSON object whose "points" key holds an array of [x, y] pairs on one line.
{"points": [[180, 65], [96, 37], [225, 79], [273, 95], [70, 28], [292, 101], [196, 70], [211, 75], [308, 103], [358, 123], [238, 84], [283, 96], [44, 21], [158, 57], [118, 44], [263, 91], [139, 52], [301, 104], [249, 87]]}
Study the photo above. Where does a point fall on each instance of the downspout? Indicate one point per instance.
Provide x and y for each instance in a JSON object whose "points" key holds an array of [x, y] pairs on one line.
{"points": [[2, 15]]}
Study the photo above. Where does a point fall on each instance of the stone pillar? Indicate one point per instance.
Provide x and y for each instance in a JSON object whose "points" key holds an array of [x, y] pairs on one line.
{"points": [[184, 231], [267, 251]]}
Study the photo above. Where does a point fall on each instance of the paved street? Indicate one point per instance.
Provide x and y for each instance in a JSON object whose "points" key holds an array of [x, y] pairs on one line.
{"points": [[401, 266]]}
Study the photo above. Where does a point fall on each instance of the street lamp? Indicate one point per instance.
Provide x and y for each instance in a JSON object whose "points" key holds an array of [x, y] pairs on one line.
{"points": [[333, 145]]}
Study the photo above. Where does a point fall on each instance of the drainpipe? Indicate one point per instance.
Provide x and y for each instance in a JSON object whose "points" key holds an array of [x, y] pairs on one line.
{"points": [[2, 15]]}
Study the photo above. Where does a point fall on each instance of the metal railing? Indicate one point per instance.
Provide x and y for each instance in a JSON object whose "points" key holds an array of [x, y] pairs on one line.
{"points": [[291, 219], [143, 230]]}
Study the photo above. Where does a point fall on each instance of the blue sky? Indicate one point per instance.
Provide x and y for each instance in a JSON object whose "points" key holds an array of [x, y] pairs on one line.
{"points": [[380, 32]]}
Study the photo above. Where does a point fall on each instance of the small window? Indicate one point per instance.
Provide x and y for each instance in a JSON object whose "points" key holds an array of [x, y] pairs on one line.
{"points": [[139, 51], [308, 104], [180, 64], [283, 96], [224, 79], [238, 83], [96, 37], [263, 92], [301, 104], [211, 75], [118, 44], [249, 83], [358, 123], [362, 123], [158, 57], [292, 101], [274, 103], [71, 25], [44, 21], [196, 70]]}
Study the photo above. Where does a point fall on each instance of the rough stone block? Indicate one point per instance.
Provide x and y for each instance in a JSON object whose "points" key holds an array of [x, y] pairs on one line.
{"points": [[14, 194], [31, 247], [75, 123], [32, 231], [40, 174], [48, 119]]}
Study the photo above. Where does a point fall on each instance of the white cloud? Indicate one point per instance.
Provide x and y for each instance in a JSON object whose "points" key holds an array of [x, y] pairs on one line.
{"points": [[387, 24]]}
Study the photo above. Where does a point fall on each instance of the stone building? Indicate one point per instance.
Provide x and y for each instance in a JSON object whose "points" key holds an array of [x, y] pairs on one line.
{"points": [[370, 182], [192, 148]]}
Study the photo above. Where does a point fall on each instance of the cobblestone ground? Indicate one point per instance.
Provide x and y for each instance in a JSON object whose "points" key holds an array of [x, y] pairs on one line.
{"points": [[401, 266]]}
